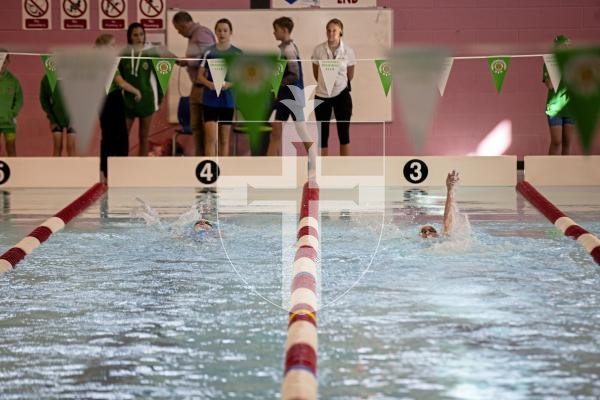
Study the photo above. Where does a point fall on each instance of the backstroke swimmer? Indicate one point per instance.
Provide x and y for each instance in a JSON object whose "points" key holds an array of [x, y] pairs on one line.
{"points": [[450, 212]]}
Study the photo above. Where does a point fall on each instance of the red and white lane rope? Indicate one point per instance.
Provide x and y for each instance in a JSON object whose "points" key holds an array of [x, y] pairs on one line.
{"points": [[565, 224], [53, 224], [300, 374]]}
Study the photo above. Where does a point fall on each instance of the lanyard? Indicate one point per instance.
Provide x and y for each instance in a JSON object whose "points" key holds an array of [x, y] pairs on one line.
{"points": [[135, 68]]}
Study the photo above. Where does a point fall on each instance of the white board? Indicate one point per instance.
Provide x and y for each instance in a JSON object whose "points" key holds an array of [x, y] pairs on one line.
{"points": [[368, 31]]}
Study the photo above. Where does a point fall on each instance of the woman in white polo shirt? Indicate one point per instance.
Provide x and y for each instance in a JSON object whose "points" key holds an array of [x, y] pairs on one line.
{"points": [[339, 100]]}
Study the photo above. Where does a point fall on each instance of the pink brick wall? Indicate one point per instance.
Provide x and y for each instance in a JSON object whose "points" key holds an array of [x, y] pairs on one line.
{"points": [[469, 109]]}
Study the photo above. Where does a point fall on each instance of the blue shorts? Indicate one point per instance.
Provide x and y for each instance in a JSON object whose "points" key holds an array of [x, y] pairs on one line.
{"points": [[560, 121]]}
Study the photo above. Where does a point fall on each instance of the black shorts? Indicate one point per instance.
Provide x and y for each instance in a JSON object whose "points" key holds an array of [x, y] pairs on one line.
{"points": [[283, 112], [223, 115]]}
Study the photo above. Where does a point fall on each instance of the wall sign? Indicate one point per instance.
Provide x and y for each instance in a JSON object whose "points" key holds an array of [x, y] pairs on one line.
{"points": [[37, 14], [323, 3], [151, 13], [75, 14], [112, 14]]}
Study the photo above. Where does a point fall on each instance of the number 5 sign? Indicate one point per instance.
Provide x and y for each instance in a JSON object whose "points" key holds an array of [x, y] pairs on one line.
{"points": [[151, 13]]}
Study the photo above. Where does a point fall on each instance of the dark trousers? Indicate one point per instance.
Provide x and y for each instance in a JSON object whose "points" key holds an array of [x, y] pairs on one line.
{"points": [[114, 136], [341, 105]]}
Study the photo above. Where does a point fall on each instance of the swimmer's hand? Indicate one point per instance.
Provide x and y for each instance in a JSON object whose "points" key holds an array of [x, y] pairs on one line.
{"points": [[451, 179]]}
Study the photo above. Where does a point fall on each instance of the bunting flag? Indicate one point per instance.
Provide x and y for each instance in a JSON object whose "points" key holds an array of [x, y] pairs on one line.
{"points": [[163, 68], [385, 74], [83, 73], [445, 75], [329, 71], [50, 68], [553, 71], [218, 71], [111, 76], [498, 68], [251, 77], [580, 70], [416, 74], [3, 56], [278, 75]]}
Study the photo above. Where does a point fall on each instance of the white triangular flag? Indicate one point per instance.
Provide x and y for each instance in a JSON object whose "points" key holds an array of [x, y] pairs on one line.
{"points": [[218, 71], [83, 73], [329, 70], [416, 73], [553, 70], [2, 59], [445, 75], [113, 71]]}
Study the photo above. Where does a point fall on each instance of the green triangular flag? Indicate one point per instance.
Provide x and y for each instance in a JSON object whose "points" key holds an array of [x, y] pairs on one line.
{"points": [[50, 68], [580, 69], [278, 75], [498, 68], [163, 68], [251, 77], [385, 74]]}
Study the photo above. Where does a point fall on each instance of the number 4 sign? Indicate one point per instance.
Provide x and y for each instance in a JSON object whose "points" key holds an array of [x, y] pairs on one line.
{"points": [[151, 13]]}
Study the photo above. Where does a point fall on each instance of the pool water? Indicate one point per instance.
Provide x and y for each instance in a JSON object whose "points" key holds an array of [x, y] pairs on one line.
{"points": [[112, 308]]}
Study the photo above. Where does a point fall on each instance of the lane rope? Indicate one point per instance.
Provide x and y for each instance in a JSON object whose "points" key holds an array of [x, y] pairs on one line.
{"points": [[300, 369], [563, 223], [39, 235]]}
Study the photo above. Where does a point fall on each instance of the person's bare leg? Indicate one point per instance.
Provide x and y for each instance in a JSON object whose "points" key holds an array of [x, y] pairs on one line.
{"points": [[568, 132], [11, 147], [71, 144], [210, 138], [274, 148], [129, 122], [555, 140], [344, 150], [144, 133], [224, 133], [57, 140]]}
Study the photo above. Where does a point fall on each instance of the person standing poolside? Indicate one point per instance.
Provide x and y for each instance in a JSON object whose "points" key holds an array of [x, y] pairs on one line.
{"points": [[200, 38], [340, 100], [138, 70], [428, 231], [292, 76], [217, 108], [113, 125], [560, 117], [11, 101], [53, 104]]}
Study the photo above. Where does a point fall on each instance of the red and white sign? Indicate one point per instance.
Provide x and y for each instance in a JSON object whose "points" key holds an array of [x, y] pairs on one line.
{"points": [[348, 3], [151, 13], [112, 14], [75, 14], [323, 3], [37, 14]]}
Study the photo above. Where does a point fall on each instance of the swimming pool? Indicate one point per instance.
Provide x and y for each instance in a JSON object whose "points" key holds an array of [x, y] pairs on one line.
{"points": [[113, 308]]}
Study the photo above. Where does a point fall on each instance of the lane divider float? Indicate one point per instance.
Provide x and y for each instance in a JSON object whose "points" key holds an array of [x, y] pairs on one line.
{"points": [[565, 224], [39, 235], [300, 371]]}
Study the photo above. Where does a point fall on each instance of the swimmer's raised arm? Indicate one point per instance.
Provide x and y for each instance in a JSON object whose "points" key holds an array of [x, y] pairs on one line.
{"points": [[451, 181]]}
